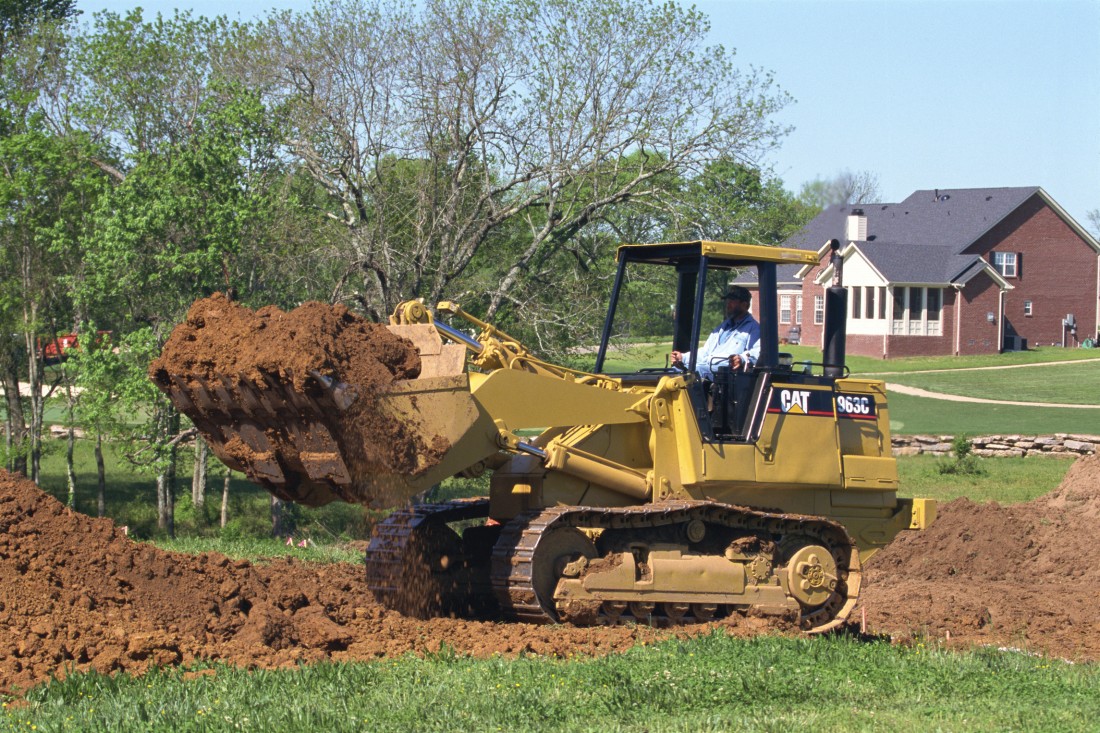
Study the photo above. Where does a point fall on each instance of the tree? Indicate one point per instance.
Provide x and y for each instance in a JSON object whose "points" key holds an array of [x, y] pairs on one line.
{"points": [[511, 117], [48, 197], [1094, 221], [197, 177], [733, 202], [18, 17], [844, 189]]}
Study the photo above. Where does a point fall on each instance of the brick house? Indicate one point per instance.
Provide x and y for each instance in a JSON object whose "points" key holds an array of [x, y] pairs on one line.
{"points": [[963, 271]]}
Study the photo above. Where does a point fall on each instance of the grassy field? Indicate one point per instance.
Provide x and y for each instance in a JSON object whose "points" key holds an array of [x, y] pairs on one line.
{"points": [[1074, 383], [911, 415], [712, 683], [1003, 480]]}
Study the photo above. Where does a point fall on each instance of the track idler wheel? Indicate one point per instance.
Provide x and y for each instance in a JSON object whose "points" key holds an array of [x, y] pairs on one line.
{"points": [[812, 575], [556, 554]]}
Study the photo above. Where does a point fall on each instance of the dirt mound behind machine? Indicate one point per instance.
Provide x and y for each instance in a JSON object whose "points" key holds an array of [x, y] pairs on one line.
{"points": [[630, 493]]}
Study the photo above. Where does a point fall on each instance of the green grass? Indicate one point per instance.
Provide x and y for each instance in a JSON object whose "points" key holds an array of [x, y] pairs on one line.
{"points": [[921, 415], [866, 365], [1005, 480], [712, 683], [1074, 383], [259, 548]]}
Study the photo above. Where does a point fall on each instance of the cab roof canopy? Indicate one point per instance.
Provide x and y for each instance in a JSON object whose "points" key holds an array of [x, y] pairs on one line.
{"points": [[721, 255]]}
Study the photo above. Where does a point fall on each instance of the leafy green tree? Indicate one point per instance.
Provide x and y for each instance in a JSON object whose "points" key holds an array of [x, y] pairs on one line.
{"points": [[198, 181], [514, 118], [48, 196], [18, 17], [733, 202]]}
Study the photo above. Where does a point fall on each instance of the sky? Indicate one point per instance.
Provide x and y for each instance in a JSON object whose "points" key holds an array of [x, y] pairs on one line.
{"points": [[923, 94]]}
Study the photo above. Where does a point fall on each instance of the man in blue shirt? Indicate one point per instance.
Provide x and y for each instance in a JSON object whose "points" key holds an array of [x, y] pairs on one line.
{"points": [[735, 342]]}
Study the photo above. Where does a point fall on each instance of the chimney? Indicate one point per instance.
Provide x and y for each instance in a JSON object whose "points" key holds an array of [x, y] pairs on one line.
{"points": [[856, 230]]}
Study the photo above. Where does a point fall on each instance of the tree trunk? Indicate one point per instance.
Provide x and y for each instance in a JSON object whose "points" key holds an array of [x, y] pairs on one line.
{"points": [[162, 484], [38, 407], [281, 526], [166, 482], [70, 470], [198, 477], [101, 476], [225, 497], [14, 419], [70, 445]]}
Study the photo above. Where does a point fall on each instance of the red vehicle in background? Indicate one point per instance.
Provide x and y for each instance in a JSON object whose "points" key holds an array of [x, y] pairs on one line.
{"points": [[53, 351]]}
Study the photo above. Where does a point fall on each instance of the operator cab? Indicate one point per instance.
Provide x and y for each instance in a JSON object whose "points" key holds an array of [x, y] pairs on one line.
{"points": [[670, 297]]}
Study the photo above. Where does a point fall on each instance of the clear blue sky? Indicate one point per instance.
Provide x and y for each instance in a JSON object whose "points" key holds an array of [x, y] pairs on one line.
{"points": [[922, 93]]}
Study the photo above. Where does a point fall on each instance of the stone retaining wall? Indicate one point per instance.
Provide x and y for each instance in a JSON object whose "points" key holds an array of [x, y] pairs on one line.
{"points": [[999, 445]]}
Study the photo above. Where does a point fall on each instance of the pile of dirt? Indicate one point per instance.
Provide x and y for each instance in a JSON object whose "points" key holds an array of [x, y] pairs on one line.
{"points": [[76, 594], [1022, 575], [250, 380]]}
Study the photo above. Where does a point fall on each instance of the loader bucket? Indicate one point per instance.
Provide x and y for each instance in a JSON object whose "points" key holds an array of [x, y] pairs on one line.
{"points": [[312, 439]]}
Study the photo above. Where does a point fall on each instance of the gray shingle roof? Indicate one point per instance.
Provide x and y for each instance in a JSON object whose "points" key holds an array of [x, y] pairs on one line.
{"points": [[920, 239]]}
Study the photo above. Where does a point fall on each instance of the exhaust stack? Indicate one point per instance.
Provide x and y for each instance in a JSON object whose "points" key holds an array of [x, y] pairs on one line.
{"points": [[836, 317]]}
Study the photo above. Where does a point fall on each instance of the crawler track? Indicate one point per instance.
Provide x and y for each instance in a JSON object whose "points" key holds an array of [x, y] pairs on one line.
{"points": [[513, 573], [417, 565]]}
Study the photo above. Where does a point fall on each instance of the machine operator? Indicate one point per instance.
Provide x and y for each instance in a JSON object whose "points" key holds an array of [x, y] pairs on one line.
{"points": [[736, 341]]}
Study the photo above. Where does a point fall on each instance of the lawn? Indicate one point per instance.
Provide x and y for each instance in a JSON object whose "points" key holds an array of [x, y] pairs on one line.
{"points": [[921, 416], [1074, 383], [1003, 480], [712, 683]]}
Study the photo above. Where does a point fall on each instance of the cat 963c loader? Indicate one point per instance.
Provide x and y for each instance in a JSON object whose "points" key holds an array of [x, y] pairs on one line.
{"points": [[637, 491]]}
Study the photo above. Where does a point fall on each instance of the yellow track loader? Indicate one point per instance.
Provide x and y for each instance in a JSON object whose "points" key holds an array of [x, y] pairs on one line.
{"points": [[634, 492]]}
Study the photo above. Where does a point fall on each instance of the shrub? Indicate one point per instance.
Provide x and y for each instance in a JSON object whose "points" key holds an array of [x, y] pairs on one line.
{"points": [[963, 462]]}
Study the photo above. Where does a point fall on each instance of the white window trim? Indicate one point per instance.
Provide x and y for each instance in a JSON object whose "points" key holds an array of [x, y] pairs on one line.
{"points": [[1004, 265], [902, 324]]}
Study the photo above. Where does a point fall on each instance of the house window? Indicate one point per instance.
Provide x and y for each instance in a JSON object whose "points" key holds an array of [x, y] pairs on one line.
{"points": [[856, 310], [933, 305], [798, 309], [1005, 263], [819, 309], [1027, 309], [917, 311], [784, 309], [869, 303]]}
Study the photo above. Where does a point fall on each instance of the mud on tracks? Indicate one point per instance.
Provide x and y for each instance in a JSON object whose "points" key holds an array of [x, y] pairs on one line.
{"points": [[77, 594]]}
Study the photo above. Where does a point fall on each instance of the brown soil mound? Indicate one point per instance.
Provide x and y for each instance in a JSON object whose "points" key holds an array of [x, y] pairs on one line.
{"points": [[1022, 576], [261, 421], [76, 594]]}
